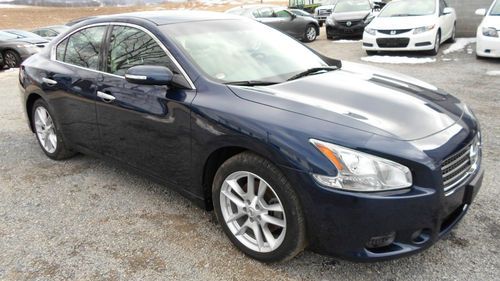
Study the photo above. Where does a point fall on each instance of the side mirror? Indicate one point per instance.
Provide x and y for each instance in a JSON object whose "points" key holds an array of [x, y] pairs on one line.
{"points": [[149, 75], [447, 11], [294, 16], [481, 12]]}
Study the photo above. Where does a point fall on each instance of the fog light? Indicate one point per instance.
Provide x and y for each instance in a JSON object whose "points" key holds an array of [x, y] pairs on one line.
{"points": [[381, 241], [421, 236]]}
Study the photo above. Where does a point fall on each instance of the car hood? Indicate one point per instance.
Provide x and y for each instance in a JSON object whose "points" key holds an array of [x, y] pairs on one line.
{"points": [[390, 23], [350, 16], [364, 98], [492, 21]]}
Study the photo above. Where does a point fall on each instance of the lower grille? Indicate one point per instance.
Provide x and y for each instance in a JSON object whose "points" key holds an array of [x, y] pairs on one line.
{"points": [[393, 42], [456, 167]]}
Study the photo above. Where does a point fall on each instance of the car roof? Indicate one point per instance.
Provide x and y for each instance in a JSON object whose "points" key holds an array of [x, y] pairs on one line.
{"points": [[167, 17]]}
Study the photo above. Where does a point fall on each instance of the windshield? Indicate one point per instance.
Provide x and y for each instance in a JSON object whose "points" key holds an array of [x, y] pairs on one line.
{"points": [[242, 50], [7, 36], [408, 8], [495, 10], [344, 6]]}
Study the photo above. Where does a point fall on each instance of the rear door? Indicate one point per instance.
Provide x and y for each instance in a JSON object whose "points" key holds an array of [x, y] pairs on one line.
{"points": [[145, 126], [71, 84]]}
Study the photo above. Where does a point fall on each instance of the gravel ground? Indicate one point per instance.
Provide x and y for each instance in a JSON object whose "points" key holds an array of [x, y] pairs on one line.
{"points": [[87, 219]]}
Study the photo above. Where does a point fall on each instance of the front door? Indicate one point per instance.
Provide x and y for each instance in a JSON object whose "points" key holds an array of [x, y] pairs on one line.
{"points": [[145, 126]]}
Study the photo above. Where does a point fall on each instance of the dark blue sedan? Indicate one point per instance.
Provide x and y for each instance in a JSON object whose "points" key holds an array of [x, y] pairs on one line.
{"points": [[291, 149]]}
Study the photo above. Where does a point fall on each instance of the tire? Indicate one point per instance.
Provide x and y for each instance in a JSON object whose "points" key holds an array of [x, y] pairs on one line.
{"points": [[48, 136], [287, 240], [371, 53], [11, 59], [329, 37], [437, 44], [453, 34], [2, 64], [310, 33]]}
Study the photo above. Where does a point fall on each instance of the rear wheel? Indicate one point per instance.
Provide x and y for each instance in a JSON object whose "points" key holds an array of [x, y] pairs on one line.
{"points": [[11, 59], [258, 209], [46, 131], [310, 33]]}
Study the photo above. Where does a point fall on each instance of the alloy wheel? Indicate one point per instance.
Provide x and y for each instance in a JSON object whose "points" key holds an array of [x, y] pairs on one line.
{"points": [[253, 212], [10, 60], [311, 33], [45, 130]]}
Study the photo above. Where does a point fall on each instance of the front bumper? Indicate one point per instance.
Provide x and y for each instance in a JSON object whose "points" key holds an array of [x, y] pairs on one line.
{"points": [[416, 42], [488, 46], [343, 223]]}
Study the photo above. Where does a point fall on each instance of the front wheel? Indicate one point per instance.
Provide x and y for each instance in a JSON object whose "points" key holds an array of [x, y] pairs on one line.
{"points": [[437, 44], [310, 33], [258, 209]]}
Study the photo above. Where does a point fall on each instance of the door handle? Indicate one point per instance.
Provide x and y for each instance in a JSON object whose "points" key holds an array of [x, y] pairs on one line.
{"points": [[49, 81], [105, 97]]}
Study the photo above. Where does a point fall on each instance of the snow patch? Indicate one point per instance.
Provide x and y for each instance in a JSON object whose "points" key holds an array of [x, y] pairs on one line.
{"points": [[460, 44], [493, 73], [398, 60], [344, 41]]}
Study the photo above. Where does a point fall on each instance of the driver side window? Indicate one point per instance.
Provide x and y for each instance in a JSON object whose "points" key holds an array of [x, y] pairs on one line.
{"points": [[129, 46], [282, 14]]}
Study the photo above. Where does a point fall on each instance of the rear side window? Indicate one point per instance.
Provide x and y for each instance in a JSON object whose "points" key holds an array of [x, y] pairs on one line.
{"points": [[83, 48], [131, 47], [61, 50]]}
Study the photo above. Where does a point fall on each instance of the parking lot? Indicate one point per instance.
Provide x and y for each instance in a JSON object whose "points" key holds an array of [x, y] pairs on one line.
{"points": [[87, 219]]}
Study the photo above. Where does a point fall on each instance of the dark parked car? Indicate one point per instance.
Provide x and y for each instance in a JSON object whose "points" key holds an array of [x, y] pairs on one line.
{"points": [[50, 32], [290, 148], [304, 28], [349, 18], [15, 47]]}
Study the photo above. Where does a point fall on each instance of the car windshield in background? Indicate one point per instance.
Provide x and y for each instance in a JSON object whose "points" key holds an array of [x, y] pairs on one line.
{"points": [[7, 36], [408, 8], [345, 6], [241, 50], [495, 11]]}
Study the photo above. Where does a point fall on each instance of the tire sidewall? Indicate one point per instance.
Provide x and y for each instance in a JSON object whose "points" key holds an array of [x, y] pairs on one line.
{"points": [[281, 188]]}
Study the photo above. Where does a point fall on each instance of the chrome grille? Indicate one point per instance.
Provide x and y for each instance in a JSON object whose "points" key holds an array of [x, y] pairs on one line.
{"points": [[456, 167]]}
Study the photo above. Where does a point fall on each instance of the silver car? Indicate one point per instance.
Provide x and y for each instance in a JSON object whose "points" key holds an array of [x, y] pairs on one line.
{"points": [[297, 26]]}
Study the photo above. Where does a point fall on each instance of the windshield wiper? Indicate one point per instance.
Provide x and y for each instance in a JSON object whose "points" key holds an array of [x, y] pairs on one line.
{"points": [[312, 71], [251, 83]]}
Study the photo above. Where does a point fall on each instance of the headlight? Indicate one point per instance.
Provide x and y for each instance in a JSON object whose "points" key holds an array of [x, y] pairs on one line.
{"points": [[490, 32], [423, 29], [330, 21], [26, 46], [370, 31], [358, 171]]}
